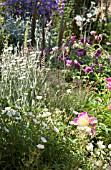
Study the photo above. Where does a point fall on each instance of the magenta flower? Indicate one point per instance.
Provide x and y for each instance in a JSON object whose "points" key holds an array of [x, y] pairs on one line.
{"points": [[109, 83], [108, 80], [73, 38], [68, 63], [85, 120], [88, 70]]}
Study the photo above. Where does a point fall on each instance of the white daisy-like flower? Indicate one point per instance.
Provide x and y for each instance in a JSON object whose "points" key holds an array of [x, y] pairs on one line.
{"points": [[56, 129], [43, 139], [40, 146], [109, 146], [89, 147], [99, 163]]}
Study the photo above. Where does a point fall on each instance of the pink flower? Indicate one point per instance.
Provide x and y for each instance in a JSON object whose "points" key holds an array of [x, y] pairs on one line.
{"points": [[68, 63], [73, 38], [108, 80], [104, 19], [109, 85], [93, 32], [109, 108], [100, 66], [100, 36], [85, 120], [88, 70], [96, 37]]}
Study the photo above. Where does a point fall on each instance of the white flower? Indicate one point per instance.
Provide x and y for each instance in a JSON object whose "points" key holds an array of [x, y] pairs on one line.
{"points": [[6, 129], [89, 147], [105, 166], [46, 114], [30, 113], [79, 23], [87, 129], [68, 91], [89, 15], [97, 153], [39, 97], [43, 139], [56, 130], [71, 122], [109, 146], [9, 114], [55, 48], [40, 146], [99, 163], [79, 169], [108, 43], [44, 124], [100, 144], [35, 121], [110, 153], [7, 108]]}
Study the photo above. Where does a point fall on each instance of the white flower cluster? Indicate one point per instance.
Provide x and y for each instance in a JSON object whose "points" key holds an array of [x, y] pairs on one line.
{"points": [[100, 155], [11, 113]]}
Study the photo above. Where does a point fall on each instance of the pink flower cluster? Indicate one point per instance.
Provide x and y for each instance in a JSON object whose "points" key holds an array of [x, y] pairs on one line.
{"points": [[96, 37], [109, 83], [84, 120]]}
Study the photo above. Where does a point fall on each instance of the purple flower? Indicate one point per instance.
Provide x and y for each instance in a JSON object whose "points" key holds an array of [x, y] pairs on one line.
{"points": [[89, 42], [80, 54], [99, 51]]}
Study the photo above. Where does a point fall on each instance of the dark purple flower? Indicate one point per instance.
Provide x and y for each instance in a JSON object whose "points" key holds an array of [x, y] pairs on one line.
{"points": [[80, 54], [77, 64], [89, 42], [99, 51]]}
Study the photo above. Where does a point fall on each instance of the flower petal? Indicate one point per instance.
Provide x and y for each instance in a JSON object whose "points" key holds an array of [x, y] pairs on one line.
{"points": [[75, 121], [108, 79], [82, 114], [92, 131]]}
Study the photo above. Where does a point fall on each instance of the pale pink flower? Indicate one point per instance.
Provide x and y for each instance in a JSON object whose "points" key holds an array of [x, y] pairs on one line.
{"points": [[96, 37], [100, 36], [93, 32], [109, 108]]}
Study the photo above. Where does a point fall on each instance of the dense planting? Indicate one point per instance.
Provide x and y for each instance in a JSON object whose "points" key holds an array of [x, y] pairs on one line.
{"points": [[55, 86]]}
